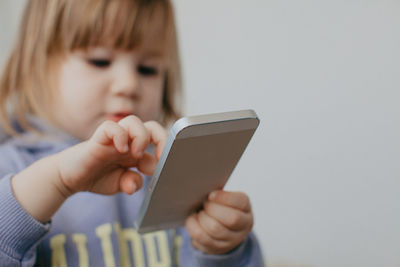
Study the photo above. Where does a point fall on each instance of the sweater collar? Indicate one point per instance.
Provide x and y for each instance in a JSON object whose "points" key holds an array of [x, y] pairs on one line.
{"points": [[51, 135]]}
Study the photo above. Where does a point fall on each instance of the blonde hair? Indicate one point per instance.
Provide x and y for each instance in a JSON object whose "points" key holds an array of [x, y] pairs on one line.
{"points": [[50, 28]]}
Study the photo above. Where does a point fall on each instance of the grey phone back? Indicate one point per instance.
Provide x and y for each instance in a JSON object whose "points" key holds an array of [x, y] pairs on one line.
{"points": [[199, 156]]}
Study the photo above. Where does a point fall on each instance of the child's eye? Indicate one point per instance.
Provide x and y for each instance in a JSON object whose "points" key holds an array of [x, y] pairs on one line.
{"points": [[100, 63], [145, 70]]}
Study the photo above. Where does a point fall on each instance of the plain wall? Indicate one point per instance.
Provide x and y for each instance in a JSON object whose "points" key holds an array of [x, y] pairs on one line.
{"points": [[323, 169]]}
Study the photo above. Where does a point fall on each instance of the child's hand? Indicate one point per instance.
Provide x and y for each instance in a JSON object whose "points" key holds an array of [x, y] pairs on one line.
{"points": [[223, 224], [102, 164]]}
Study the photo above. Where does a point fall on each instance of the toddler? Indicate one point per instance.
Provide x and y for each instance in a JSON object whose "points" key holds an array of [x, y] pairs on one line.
{"points": [[89, 85]]}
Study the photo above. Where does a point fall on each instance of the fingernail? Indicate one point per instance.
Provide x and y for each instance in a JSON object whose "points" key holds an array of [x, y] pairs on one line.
{"points": [[125, 149], [139, 154], [212, 195]]}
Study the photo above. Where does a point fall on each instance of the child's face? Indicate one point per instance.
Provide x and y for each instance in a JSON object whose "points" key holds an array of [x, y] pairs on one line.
{"points": [[108, 84]]}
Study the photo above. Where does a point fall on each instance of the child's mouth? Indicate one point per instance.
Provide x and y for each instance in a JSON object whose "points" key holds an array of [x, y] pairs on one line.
{"points": [[117, 116]]}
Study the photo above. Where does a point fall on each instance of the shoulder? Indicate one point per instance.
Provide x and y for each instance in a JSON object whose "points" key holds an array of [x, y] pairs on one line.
{"points": [[10, 158], [16, 153], [12, 151]]}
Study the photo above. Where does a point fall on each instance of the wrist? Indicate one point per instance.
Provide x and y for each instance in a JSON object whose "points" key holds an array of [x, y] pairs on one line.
{"points": [[58, 182], [37, 191]]}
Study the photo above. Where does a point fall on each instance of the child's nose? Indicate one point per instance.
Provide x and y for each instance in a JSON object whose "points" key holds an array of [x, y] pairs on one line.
{"points": [[126, 82]]}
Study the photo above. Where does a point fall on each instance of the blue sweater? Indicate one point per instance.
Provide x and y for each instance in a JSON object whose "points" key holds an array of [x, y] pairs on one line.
{"points": [[91, 229]]}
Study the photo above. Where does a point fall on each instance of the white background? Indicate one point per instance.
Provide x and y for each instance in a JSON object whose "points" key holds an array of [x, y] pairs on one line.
{"points": [[323, 169]]}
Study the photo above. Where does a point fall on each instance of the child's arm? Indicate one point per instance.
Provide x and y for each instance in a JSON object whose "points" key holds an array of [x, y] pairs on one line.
{"points": [[223, 224], [100, 165]]}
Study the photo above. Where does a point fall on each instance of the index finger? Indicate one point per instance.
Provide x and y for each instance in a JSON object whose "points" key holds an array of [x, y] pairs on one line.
{"points": [[236, 200], [158, 136], [137, 132]]}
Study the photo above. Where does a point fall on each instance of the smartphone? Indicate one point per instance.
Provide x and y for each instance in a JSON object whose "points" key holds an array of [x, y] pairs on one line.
{"points": [[199, 157]]}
